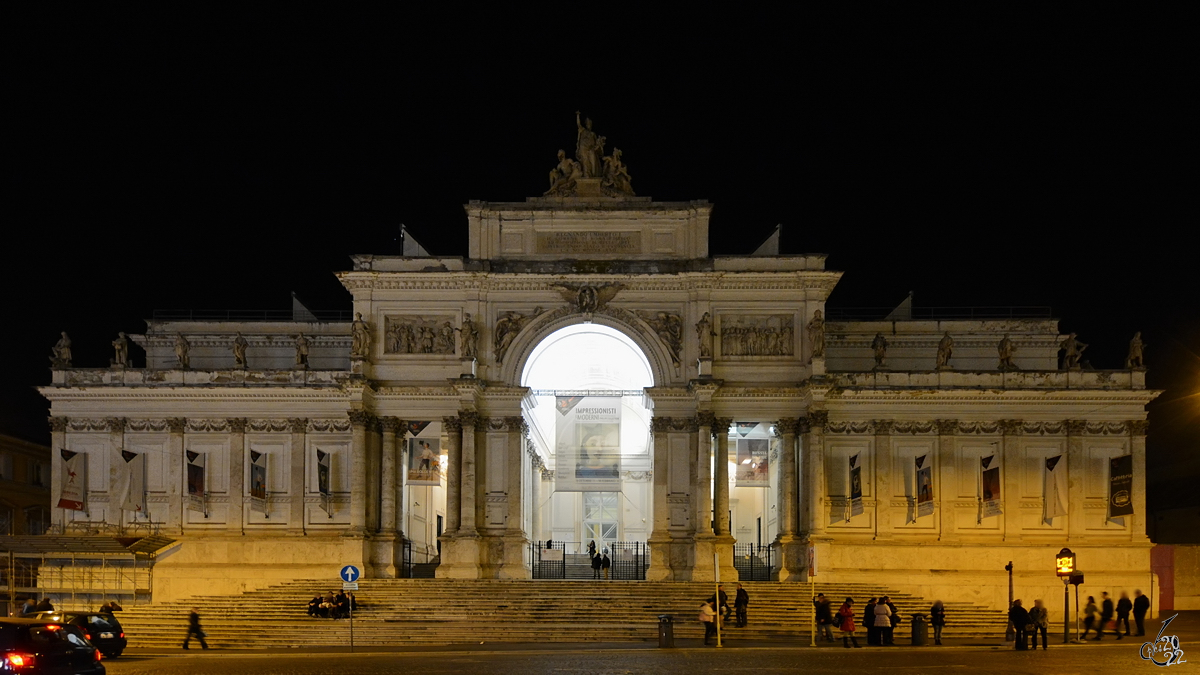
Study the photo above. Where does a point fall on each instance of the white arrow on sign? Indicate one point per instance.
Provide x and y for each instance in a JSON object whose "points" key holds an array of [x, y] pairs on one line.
{"points": [[350, 573]]}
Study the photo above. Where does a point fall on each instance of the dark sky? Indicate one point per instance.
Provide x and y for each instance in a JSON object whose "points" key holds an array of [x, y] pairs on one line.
{"points": [[223, 161]]}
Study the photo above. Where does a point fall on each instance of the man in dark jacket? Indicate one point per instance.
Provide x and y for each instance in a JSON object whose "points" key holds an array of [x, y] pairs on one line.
{"points": [[1019, 618], [595, 567], [868, 621], [1124, 607], [740, 602], [889, 633], [194, 630], [723, 607], [1106, 615], [1141, 605], [824, 616], [44, 606]]}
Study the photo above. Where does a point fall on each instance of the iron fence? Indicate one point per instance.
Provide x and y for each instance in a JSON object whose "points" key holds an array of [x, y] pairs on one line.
{"points": [[753, 562], [628, 560]]}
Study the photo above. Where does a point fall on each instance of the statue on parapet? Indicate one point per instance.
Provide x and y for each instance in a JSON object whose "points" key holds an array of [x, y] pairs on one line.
{"points": [[239, 351], [616, 181], [589, 148], [301, 351], [360, 338], [121, 347], [564, 178], [879, 346], [816, 334], [182, 351], [1072, 350], [944, 352], [1135, 361], [60, 354], [1005, 350]]}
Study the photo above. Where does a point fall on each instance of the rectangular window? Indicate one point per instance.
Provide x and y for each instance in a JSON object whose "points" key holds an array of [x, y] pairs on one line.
{"points": [[6, 466], [38, 473]]}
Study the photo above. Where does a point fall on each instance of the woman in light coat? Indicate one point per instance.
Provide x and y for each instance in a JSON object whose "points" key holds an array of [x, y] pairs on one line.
{"points": [[883, 621]]}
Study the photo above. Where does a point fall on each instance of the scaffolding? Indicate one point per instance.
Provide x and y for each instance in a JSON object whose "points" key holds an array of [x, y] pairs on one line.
{"points": [[78, 573]]}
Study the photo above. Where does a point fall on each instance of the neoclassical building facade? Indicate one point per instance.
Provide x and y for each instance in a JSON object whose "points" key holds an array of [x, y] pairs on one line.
{"points": [[745, 416]]}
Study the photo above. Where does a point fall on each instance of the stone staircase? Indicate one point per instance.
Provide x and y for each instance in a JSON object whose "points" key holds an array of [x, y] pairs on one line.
{"points": [[451, 611]]}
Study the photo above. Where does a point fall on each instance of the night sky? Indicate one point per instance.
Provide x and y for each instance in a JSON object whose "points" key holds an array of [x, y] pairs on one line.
{"points": [[213, 161]]}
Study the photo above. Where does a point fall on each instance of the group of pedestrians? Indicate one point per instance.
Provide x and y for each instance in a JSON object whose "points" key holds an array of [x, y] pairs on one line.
{"points": [[33, 607], [600, 562], [330, 606], [1138, 607], [715, 611], [880, 618]]}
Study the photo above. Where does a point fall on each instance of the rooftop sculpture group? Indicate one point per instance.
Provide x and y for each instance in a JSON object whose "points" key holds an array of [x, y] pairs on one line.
{"points": [[589, 166]]}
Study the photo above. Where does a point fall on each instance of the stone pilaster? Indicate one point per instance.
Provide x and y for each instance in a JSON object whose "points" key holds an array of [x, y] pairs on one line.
{"points": [[114, 514], [468, 515], [814, 490], [789, 549], [1010, 473], [944, 492], [235, 518], [296, 515], [388, 512], [703, 524], [360, 421], [453, 428], [883, 479], [535, 492], [176, 473], [660, 535], [515, 540], [58, 441], [1076, 525], [723, 545], [1137, 448]]}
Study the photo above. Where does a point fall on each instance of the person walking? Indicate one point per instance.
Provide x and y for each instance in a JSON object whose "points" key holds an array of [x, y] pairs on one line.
{"points": [[937, 618], [869, 622], [740, 602], [1039, 620], [1106, 615], [824, 612], [883, 622], [605, 564], [1089, 617], [595, 566], [1124, 607], [708, 616], [1141, 605], [846, 614], [194, 630], [1018, 616], [721, 602]]}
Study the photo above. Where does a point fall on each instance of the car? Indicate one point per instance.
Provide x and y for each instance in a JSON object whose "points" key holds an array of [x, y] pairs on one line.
{"points": [[37, 647], [102, 630]]}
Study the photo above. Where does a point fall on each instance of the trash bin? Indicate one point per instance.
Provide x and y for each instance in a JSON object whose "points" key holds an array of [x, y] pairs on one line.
{"points": [[666, 631], [920, 629]]}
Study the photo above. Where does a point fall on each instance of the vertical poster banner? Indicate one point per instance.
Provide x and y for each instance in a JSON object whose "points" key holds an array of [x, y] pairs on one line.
{"points": [[989, 488], [744, 428], [587, 444], [73, 494], [856, 502], [924, 486], [133, 496], [424, 461], [197, 498], [1054, 489], [323, 466], [1120, 486], [258, 482], [750, 455]]}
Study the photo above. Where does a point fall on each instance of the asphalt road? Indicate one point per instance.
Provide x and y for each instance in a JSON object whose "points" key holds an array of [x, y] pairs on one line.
{"points": [[1091, 659]]}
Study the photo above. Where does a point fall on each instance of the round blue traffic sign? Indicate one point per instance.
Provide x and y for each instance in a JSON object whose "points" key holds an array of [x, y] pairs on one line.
{"points": [[350, 573]]}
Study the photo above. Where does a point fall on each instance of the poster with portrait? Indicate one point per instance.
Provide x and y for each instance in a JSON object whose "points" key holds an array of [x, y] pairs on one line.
{"points": [[856, 492], [323, 464], [258, 482], [424, 461], [924, 467], [196, 496], [587, 444], [989, 487], [750, 456]]}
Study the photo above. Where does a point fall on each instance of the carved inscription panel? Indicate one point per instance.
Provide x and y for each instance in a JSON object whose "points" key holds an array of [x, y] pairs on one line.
{"points": [[757, 335], [419, 335], [589, 242]]}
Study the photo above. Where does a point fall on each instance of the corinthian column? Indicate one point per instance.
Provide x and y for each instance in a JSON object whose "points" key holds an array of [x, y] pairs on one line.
{"points": [[704, 512], [235, 517], [467, 520], [359, 421], [296, 515], [814, 471], [387, 468], [453, 426], [176, 472], [788, 486], [516, 428], [721, 476], [114, 515]]}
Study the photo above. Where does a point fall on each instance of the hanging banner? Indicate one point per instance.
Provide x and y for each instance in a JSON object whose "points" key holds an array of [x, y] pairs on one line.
{"points": [[73, 493], [587, 444], [924, 486], [1120, 486], [989, 488], [415, 428], [1054, 489], [744, 428], [424, 461], [258, 482], [196, 496], [856, 502], [323, 465], [751, 457], [133, 482]]}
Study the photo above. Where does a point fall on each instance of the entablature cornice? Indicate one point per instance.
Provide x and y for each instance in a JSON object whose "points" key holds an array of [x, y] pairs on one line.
{"points": [[500, 282], [994, 427]]}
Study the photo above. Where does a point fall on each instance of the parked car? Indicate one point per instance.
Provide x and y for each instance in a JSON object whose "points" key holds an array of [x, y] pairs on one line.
{"points": [[33, 647], [102, 630]]}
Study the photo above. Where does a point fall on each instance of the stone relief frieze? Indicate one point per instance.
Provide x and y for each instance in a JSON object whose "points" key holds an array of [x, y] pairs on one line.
{"points": [[83, 424], [201, 426], [849, 427], [1107, 428], [146, 425], [669, 328], [506, 328], [992, 427], [906, 427], [757, 335], [271, 426], [1043, 428], [587, 298], [405, 334]]}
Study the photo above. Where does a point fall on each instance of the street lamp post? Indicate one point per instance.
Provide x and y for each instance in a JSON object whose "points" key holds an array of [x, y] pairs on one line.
{"points": [[1064, 564]]}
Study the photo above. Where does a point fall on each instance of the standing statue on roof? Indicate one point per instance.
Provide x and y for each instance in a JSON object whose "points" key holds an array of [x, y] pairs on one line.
{"points": [[589, 147]]}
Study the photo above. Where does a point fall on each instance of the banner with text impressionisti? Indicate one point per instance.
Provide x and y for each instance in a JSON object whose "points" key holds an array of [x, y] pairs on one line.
{"points": [[587, 450]]}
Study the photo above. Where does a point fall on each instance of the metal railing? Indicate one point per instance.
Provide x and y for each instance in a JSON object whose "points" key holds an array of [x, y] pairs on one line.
{"points": [[939, 313], [628, 560], [321, 315], [752, 562]]}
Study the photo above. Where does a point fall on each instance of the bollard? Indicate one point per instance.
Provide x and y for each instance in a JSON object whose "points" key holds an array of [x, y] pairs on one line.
{"points": [[920, 630], [666, 631]]}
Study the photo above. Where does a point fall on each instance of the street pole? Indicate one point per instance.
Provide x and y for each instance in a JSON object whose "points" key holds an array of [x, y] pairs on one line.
{"points": [[1010, 634], [717, 595], [351, 608], [1076, 612], [1066, 610], [812, 590]]}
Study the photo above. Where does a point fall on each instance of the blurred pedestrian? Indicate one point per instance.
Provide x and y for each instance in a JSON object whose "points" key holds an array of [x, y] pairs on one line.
{"points": [[1106, 615], [1018, 616], [1039, 620], [1089, 617], [605, 564], [741, 601], [194, 630], [883, 621], [868, 621], [1124, 607], [937, 617], [824, 611], [721, 602], [708, 616], [595, 566], [893, 621], [1141, 605], [846, 614]]}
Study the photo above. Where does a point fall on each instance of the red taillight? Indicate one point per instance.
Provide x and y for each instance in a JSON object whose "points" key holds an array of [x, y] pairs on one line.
{"points": [[20, 660], [96, 656], [87, 635], [51, 626], [122, 635]]}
